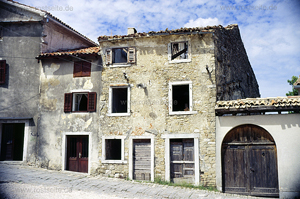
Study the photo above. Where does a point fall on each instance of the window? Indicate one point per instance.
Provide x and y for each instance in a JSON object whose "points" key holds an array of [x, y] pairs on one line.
{"points": [[119, 97], [113, 149], [2, 71], [80, 102], [180, 98], [179, 52], [82, 69], [120, 56]]}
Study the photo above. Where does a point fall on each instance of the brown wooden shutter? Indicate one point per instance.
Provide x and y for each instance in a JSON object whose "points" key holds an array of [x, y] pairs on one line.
{"points": [[2, 71], [68, 102], [92, 101], [108, 56], [77, 69], [86, 69], [131, 55]]}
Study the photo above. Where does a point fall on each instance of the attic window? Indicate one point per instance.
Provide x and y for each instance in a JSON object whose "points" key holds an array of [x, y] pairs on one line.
{"points": [[120, 56], [82, 69], [179, 51]]}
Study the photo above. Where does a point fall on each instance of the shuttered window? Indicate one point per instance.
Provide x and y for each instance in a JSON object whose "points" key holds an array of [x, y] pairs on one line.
{"points": [[82, 69], [2, 71], [120, 56], [80, 102]]}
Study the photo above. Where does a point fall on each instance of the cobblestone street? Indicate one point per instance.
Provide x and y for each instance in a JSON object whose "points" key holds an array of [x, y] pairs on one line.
{"points": [[18, 181]]}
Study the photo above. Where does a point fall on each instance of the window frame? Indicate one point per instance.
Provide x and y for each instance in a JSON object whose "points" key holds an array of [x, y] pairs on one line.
{"points": [[2, 71], [110, 103], [171, 112], [69, 102], [189, 59], [80, 72], [104, 160], [131, 57]]}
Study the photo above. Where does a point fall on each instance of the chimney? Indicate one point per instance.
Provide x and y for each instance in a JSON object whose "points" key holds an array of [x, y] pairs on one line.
{"points": [[131, 31]]}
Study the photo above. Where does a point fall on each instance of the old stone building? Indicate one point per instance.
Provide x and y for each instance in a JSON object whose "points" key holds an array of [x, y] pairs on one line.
{"points": [[159, 90], [25, 32]]}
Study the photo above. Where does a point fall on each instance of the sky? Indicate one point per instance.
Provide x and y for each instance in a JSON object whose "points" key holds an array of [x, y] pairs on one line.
{"points": [[270, 29]]}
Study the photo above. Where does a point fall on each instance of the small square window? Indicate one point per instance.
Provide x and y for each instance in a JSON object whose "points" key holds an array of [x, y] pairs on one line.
{"points": [[113, 149], [179, 52], [82, 69]]}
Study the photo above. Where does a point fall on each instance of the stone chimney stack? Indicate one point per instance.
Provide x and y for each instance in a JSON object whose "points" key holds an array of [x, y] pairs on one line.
{"points": [[131, 31]]}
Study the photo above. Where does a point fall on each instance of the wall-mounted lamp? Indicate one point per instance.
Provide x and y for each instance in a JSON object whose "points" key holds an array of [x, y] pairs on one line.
{"points": [[141, 86]]}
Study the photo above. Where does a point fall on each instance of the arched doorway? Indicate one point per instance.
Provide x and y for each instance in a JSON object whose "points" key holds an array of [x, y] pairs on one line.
{"points": [[249, 162]]}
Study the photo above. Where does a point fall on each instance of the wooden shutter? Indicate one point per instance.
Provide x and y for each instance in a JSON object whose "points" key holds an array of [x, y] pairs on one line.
{"points": [[108, 56], [2, 71], [68, 102], [92, 101], [86, 69], [131, 55], [77, 69]]}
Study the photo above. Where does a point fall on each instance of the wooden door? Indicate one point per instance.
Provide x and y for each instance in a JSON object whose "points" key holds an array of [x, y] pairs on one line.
{"points": [[182, 166], [12, 141], [77, 153], [142, 159], [249, 162]]}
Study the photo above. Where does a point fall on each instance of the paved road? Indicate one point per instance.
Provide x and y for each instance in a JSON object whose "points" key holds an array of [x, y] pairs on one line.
{"points": [[18, 181]]}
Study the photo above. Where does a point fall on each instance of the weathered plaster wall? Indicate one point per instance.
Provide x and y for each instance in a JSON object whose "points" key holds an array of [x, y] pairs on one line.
{"points": [[234, 75], [57, 38], [149, 108], [285, 129], [19, 96], [56, 80]]}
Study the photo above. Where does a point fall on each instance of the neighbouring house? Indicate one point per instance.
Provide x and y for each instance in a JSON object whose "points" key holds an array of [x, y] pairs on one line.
{"points": [[26, 32], [258, 153], [159, 91]]}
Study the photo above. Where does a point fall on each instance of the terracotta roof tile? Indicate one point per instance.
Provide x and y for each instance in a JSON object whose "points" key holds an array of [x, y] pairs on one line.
{"points": [[206, 29], [83, 51], [260, 102]]}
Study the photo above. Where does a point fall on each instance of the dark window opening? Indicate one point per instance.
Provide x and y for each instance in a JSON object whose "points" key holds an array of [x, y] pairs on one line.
{"points": [[2, 71], [179, 50], [80, 102], [113, 149], [119, 55], [180, 98], [119, 100]]}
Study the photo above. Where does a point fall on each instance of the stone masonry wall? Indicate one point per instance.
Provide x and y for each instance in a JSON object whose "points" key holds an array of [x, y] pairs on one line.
{"points": [[234, 75], [149, 107]]}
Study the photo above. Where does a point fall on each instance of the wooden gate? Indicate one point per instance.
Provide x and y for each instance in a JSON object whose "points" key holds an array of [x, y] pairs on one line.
{"points": [[142, 159], [249, 162], [182, 160], [12, 141], [77, 153]]}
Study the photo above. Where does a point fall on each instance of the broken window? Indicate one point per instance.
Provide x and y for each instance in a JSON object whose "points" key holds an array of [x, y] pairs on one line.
{"points": [[113, 149], [120, 56], [179, 51], [80, 102], [82, 69], [119, 100], [2, 71], [180, 96]]}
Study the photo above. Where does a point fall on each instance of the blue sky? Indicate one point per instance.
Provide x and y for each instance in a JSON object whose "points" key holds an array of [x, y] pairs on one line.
{"points": [[270, 29]]}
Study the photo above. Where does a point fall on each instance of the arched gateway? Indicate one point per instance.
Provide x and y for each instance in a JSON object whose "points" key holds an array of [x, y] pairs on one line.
{"points": [[249, 162]]}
